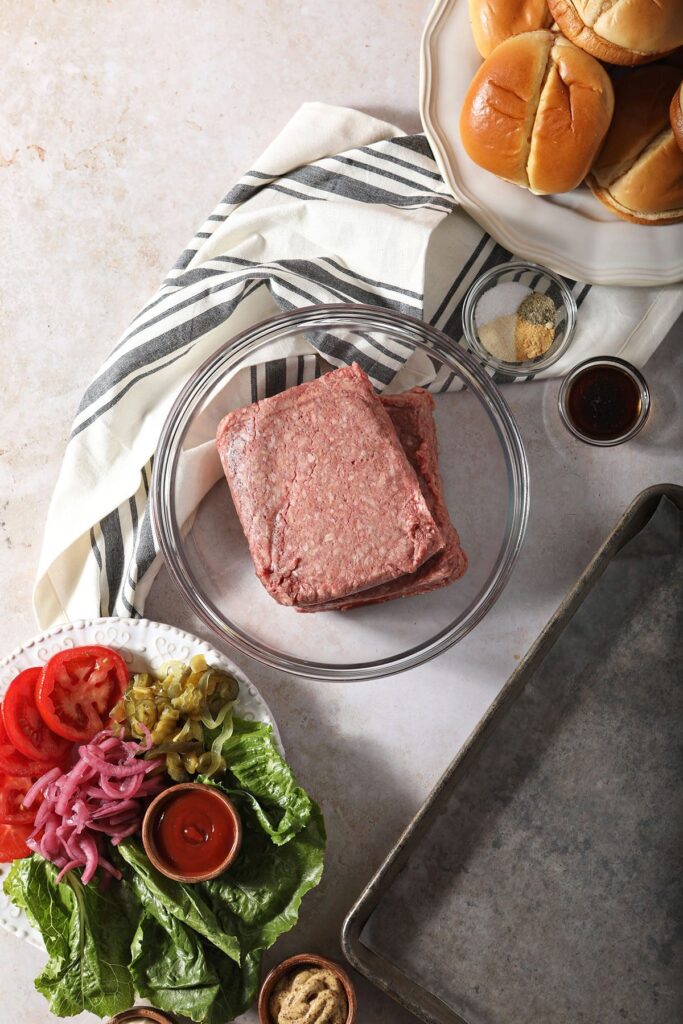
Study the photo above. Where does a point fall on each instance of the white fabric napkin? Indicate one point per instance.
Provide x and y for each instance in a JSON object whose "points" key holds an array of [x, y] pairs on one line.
{"points": [[340, 208]]}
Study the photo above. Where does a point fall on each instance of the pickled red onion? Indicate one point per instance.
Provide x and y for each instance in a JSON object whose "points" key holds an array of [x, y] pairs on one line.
{"points": [[103, 794]]}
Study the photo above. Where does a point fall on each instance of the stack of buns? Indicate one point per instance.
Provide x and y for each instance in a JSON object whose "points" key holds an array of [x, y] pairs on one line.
{"points": [[621, 31], [676, 116], [639, 171], [545, 113]]}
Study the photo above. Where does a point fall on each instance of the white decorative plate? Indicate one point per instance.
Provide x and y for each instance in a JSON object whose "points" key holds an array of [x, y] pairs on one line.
{"points": [[143, 645], [573, 233]]}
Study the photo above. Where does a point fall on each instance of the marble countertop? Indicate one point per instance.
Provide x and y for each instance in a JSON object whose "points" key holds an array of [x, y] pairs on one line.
{"points": [[124, 124]]}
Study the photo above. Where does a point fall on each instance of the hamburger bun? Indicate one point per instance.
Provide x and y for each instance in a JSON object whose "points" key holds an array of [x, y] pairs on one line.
{"points": [[675, 57], [676, 115], [621, 31], [493, 21], [639, 171], [536, 112]]}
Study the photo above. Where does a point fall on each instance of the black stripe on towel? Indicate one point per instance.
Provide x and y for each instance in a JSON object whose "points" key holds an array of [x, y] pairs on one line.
{"points": [[360, 191], [145, 552], [415, 143], [369, 280], [114, 557], [453, 326], [276, 376], [484, 240], [382, 155], [361, 165]]}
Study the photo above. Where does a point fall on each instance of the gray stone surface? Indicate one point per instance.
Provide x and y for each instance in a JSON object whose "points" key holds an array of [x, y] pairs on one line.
{"points": [[550, 886]]}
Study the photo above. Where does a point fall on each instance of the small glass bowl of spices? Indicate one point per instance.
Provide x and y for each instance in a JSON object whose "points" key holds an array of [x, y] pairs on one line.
{"points": [[307, 989], [519, 318]]}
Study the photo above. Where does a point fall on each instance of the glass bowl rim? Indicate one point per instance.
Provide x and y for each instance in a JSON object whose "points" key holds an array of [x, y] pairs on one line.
{"points": [[167, 531], [533, 366]]}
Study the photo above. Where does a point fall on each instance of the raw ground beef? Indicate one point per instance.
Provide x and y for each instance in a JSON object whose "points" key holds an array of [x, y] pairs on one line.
{"points": [[412, 415], [326, 496]]}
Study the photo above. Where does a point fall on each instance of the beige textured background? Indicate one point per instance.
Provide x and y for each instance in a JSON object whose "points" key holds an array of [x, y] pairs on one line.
{"points": [[121, 124]]}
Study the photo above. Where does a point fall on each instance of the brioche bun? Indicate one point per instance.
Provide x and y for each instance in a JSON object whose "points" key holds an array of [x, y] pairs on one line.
{"points": [[621, 31], [675, 57], [493, 21], [676, 115], [639, 171], [536, 112]]}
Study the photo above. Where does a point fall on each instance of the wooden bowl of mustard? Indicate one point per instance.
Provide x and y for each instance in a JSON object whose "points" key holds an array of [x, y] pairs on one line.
{"points": [[299, 982]]}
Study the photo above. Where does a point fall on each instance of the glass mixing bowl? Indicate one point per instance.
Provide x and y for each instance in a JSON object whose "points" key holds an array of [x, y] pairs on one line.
{"points": [[486, 486]]}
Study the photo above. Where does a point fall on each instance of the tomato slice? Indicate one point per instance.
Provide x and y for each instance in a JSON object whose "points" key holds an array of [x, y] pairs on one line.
{"points": [[14, 763], [13, 789], [24, 725], [78, 688], [13, 842]]}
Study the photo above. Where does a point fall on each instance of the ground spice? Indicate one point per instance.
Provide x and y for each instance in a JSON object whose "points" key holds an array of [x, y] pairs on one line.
{"points": [[499, 337], [535, 327]]}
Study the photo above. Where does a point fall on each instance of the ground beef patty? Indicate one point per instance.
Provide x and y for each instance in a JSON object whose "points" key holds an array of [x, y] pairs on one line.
{"points": [[327, 498], [412, 415]]}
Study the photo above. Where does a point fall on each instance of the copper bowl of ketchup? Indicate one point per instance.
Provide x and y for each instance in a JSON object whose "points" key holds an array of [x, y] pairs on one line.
{"points": [[191, 832]]}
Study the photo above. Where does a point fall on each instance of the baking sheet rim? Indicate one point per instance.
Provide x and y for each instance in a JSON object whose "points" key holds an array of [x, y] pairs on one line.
{"points": [[375, 968]]}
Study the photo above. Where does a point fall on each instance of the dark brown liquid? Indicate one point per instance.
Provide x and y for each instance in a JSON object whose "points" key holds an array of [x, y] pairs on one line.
{"points": [[603, 402]]}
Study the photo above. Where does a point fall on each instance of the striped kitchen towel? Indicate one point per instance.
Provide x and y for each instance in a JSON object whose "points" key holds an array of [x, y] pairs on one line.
{"points": [[340, 208]]}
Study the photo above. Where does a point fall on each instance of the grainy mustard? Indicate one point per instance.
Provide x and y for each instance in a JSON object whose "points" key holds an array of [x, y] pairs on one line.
{"points": [[313, 995]]}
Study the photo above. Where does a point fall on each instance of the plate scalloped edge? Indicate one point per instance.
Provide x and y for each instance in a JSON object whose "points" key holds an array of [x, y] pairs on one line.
{"points": [[142, 643], [558, 259]]}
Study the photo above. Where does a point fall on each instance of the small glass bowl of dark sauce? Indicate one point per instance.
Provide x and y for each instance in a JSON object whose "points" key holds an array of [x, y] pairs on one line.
{"points": [[604, 401]]}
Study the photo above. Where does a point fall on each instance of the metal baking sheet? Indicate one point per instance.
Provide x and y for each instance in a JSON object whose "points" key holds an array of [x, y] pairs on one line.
{"points": [[542, 882]]}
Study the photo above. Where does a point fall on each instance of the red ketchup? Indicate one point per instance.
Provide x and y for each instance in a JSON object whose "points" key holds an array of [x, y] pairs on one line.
{"points": [[194, 832]]}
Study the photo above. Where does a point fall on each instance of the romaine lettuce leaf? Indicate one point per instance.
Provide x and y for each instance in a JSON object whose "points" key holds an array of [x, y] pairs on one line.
{"points": [[239, 985], [258, 898], [257, 769], [195, 949], [182, 973], [183, 969], [169, 967], [87, 935], [184, 902]]}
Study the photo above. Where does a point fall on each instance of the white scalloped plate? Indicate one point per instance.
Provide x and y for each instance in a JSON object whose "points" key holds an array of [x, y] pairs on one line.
{"points": [[573, 233], [143, 645]]}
